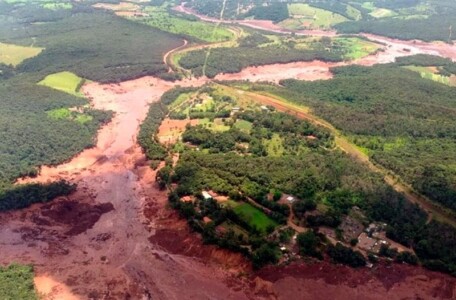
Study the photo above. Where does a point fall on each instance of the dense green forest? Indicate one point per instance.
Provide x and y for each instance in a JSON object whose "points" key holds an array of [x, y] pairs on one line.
{"points": [[22, 196], [94, 45], [29, 137], [16, 282], [275, 12], [406, 123]]}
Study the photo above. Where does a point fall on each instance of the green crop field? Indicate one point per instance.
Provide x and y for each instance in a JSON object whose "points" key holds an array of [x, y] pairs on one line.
{"points": [[16, 282], [311, 17], [254, 217], [14, 55], [64, 81]]}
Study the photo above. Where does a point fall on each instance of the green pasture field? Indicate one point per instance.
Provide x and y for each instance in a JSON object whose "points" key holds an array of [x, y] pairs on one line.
{"points": [[14, 55], [382, 13], [207, 32], [66, 114], [64, 81], [254, 217], [311, 17], [431, 74], [243, 125]]}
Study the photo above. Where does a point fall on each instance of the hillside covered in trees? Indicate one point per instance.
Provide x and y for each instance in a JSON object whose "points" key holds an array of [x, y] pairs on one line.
{"points": [[406, 123]]}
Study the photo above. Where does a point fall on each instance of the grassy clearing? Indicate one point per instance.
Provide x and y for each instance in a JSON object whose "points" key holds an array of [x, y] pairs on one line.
{"points": [[57, 5], [14, 55], [179, 101], [431, 73], [254, 217], [16, 282], [382, 13], [356, 47], [311, 17], [64, 81], [66, 114], [208, 32], [369, 6], [274, 146], [217, 125], [243, 125]]}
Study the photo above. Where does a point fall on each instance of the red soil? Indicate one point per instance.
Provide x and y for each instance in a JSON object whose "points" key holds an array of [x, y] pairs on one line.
{"points": [[170, 131], [328, 281]]}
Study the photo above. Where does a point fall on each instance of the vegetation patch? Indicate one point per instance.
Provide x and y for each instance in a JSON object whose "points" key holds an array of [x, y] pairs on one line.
{"points": [[16, 282], [356, 48], [432, 73], [312, 17], [57, 5], [243, 125], [14, 55], [64, 81], [254, 217], [274, 146]]}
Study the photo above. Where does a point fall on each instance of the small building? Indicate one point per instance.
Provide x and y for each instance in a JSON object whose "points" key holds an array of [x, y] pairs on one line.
{"points": [[207, 220], [291, 199], [264, 108], [206, 195]]}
